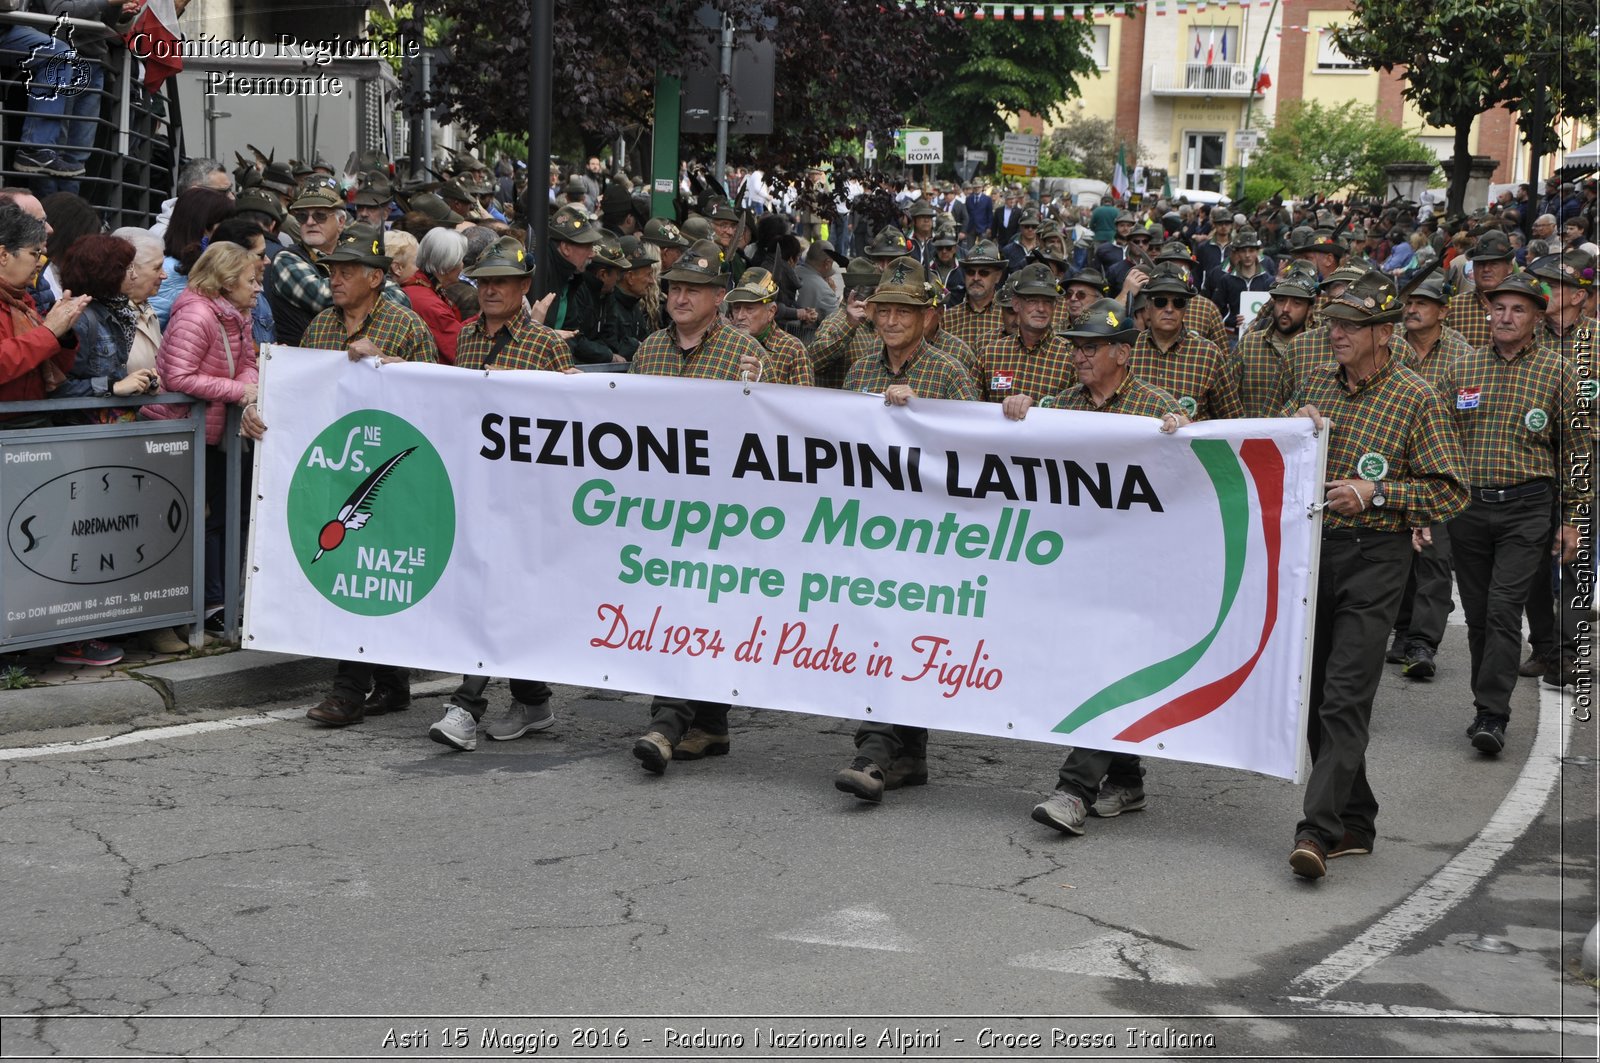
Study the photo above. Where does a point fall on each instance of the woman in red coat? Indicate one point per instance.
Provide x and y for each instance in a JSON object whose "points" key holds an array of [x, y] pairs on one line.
{"points": [[35, 353], [439, 259]]}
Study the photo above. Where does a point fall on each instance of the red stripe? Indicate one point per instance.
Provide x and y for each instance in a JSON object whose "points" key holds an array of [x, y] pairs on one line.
{"points": [[1265, 463]]}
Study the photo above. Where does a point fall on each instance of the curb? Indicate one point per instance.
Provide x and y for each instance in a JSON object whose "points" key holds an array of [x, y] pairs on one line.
{"points": [[234, 680], [74, 704]]}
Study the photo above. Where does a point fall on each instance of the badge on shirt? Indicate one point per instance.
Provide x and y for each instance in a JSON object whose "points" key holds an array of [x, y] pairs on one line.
{"points": [[1190, 406], [1372, 466], [1589, 389], [1000, 381], [1536, 420], [1467, 398]]}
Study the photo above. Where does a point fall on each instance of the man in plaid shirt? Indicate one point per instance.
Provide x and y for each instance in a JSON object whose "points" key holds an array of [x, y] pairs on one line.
{"points": [[753, 309], [697, 345], [889, 756], [364, 323], [1092, 780], [1570, 278], [502, 336], [1425, 606], [846, 335], [1393, 466], [1525, 442], [1492, 262], [1034, 361], [1169, 356], [978, 319], [1261, 361]]}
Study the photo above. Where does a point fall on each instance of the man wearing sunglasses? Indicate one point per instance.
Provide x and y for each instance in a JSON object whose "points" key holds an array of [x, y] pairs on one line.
{"points": [[978, 319], [1171, 356], [297, 281]]}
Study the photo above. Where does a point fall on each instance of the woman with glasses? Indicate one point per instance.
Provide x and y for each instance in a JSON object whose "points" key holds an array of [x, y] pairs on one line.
{"points": [[35, 352]]}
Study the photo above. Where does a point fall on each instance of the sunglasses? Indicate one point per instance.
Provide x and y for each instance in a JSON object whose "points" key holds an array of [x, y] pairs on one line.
{"points": [[982, 272], [1160, 302], [1089, 349], [315, 217]]}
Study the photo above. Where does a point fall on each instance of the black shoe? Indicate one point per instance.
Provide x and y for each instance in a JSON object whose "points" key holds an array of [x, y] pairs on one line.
{"points": [[384, 700], [1419, 662], [1397, 649], [1557, 678], [1490, 737], [1535, 664], [214, 623]]}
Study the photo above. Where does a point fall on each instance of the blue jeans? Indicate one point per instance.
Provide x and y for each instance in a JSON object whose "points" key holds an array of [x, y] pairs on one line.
{"points": [[84, 107], [46, 103]]}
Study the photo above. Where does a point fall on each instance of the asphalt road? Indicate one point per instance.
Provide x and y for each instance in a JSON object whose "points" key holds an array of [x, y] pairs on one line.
{"points": [[265, 889]]}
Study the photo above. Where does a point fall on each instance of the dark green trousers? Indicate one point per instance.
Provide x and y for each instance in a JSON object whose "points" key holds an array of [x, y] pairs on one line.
{"points": [[672, 717], [1499, 551], [1084, 770], [1425, 606]]}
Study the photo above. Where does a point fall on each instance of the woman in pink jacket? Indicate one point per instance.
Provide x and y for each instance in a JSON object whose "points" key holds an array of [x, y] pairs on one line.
{"points": [[206, 351]]}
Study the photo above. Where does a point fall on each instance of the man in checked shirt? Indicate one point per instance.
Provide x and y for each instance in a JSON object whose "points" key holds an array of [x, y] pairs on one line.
{"points": [[1093, 781], [700, 345], [1170, 356], [1425, 606], [1525, 445], [1033, 361], [364, 323], [889, 756], [1492, 261], [504, 335], [1394, 466]]}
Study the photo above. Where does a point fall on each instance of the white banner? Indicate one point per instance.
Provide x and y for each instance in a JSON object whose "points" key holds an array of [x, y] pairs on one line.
{"points": [[1071, 578]]}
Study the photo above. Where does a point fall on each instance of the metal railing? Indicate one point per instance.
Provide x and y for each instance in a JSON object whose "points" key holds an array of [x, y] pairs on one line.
{"points": [[191, 428], [134, 153], [1201, 79]]}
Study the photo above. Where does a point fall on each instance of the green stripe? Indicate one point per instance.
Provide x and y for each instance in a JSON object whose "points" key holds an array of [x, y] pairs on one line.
{"points": [[1233, 499]]}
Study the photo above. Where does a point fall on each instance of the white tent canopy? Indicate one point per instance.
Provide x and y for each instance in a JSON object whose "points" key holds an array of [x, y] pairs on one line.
{"points": [[1585, 158]]}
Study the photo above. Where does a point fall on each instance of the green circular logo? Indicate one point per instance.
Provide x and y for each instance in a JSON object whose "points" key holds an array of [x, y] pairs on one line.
{"points": [[1190, 406], [1589, 388], [1372, 466], [371, 514], [1536, 420]]}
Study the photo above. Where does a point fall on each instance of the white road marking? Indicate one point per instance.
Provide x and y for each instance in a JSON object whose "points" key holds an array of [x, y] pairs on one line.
{"points": [[1454, 882], [856, 928], [152, 734], [1479, 1019], [1117, 955], [162, 734]]}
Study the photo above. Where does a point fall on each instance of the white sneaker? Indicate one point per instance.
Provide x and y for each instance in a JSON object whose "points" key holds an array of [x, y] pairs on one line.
{"points": [[458, 729], [1061, 811]]}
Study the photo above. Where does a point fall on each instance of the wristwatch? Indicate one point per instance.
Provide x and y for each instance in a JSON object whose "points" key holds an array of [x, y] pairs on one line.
{"points": [[1378, 498]]}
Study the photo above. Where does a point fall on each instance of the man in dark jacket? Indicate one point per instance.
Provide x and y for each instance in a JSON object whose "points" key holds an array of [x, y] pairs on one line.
{"points": [[980, 214], [575, 310]]}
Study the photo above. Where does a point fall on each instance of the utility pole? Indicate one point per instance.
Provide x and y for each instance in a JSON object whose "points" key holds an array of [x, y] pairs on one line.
{"points": [[724, 104], [541, 58]]}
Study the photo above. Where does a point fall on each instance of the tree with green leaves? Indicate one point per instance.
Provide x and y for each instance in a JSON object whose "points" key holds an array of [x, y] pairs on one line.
{"points": [[1312, 150], [1088, 144], [1461, 58], [992, 69]]}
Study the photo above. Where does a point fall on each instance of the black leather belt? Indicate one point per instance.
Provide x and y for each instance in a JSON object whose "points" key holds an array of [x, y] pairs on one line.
{"points": [[1496, 495]]}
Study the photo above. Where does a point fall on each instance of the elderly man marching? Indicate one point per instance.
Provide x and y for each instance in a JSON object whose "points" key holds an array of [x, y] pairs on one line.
{"points": [[503, 336], [889, 756], [697, 345], [367, 325], [1092, 780], [1393, 464], [1524, 450], [753, 309]]}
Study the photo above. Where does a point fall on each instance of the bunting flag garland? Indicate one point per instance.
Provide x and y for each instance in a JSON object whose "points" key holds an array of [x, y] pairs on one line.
{"points": [[1088, 11]]}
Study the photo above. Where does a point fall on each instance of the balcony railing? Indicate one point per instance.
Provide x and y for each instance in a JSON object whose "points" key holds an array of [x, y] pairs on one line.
{"points": [[1200, 79]]}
